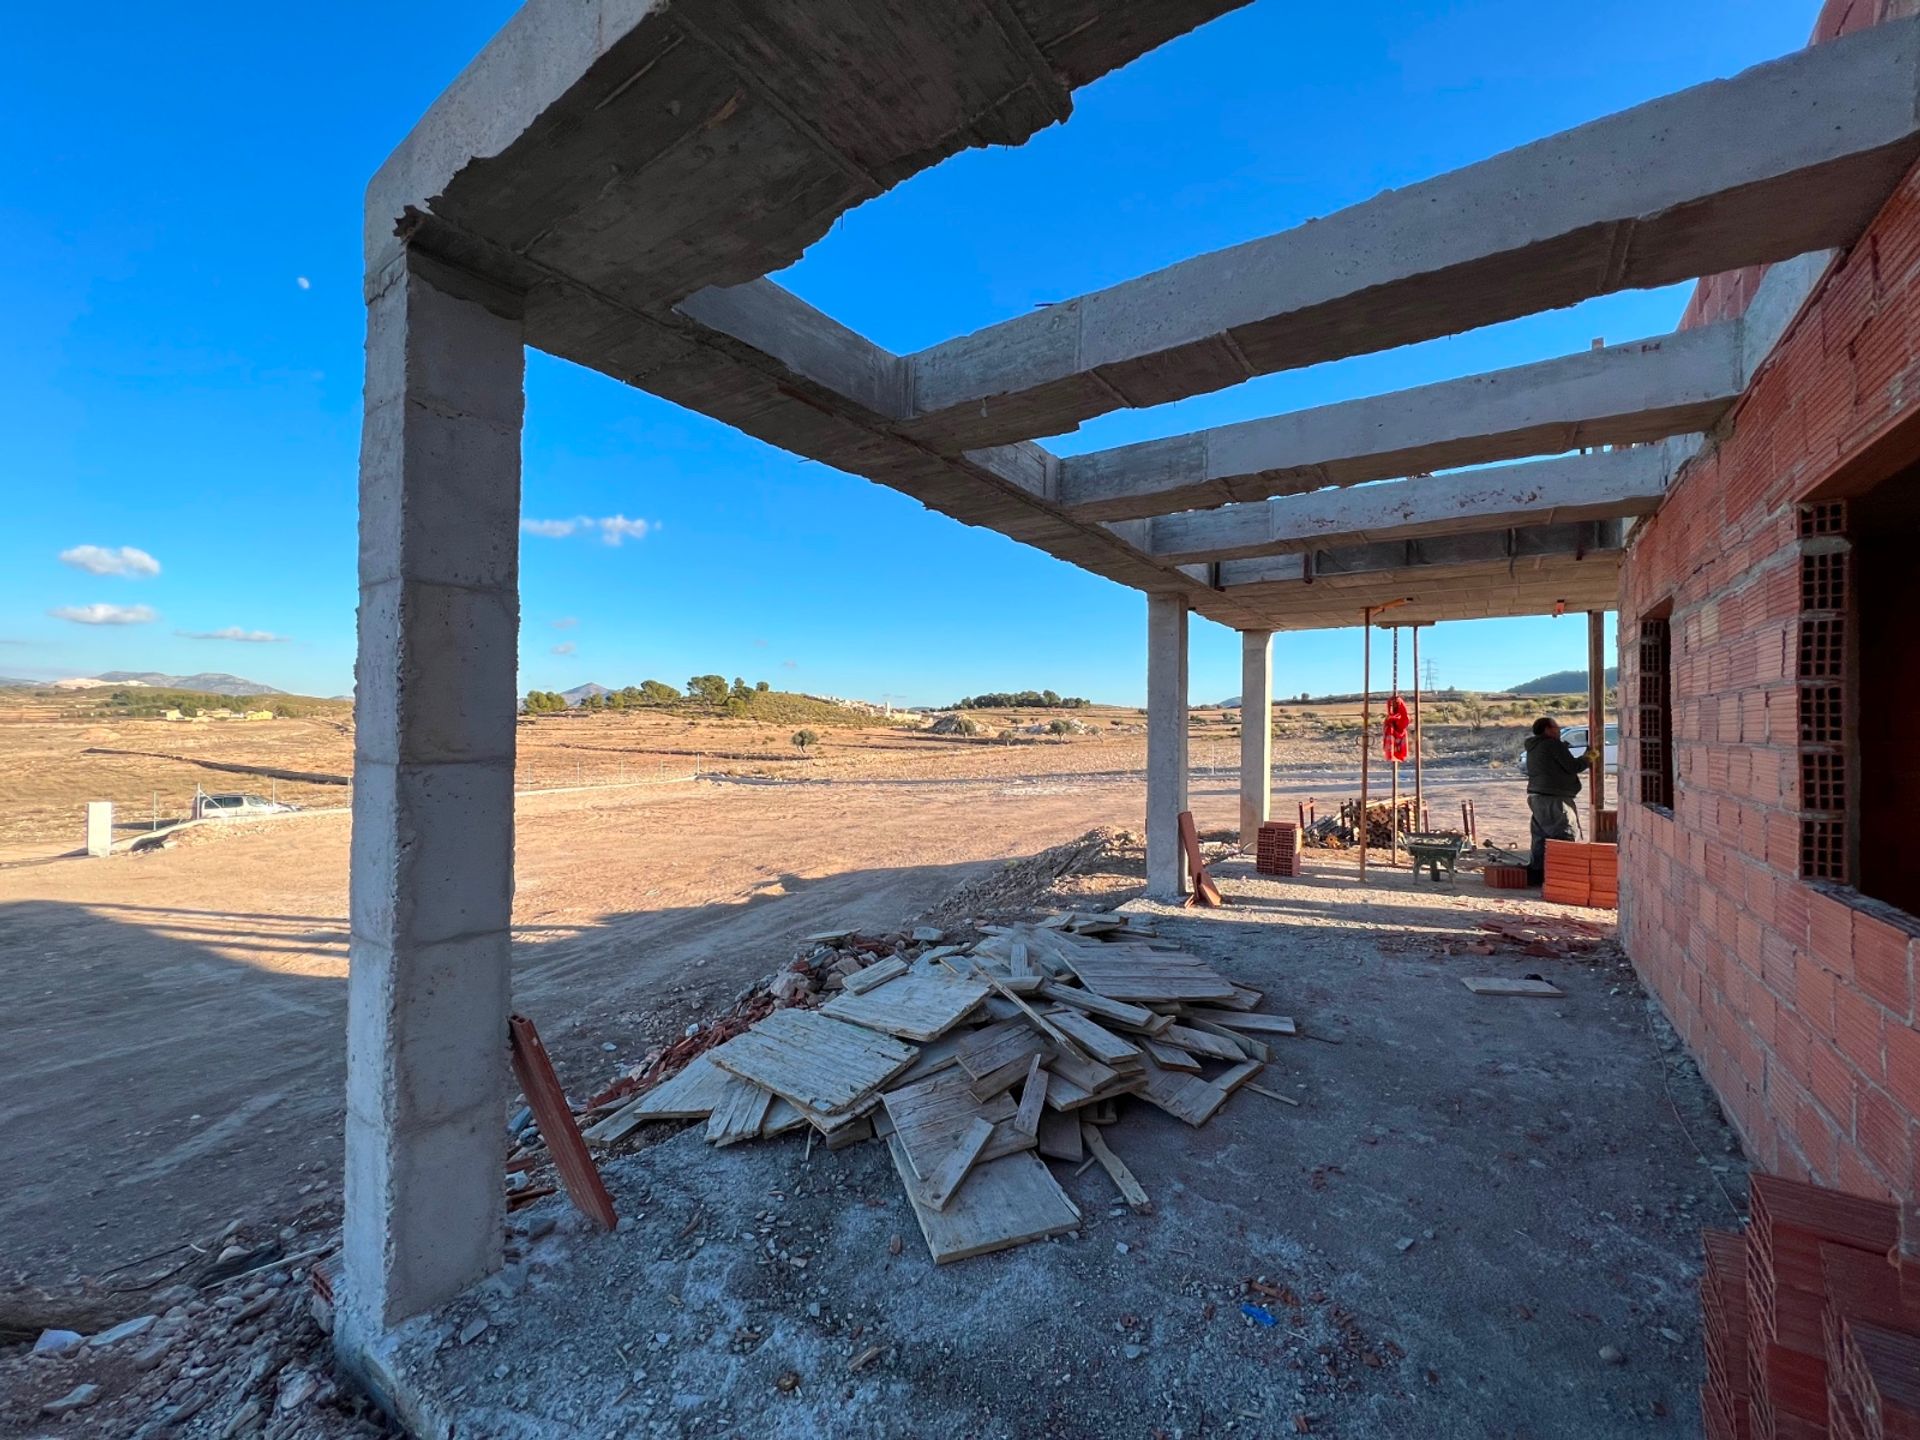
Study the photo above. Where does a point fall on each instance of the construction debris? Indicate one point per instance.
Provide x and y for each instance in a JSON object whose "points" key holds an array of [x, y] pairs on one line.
{"points": [[973, 1061]]}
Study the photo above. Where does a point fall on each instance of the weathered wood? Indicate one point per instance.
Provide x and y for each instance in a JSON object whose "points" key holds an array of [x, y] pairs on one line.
{"points": [[1130, 1189], [952, 1170], [1006, 1202], [1099, 1042], [1184, 1097], [1135, 1017], [690, 1095], [1495, 985], [741, 1115], [914, 1007], [1033, 1098], [1245, 1020], [1148, 976], [534, 1070], [1200, 1042], [1060, 1136], [1250, 1046], [982, 1052], [1171, 1056], [817, 1062], [861, 981]]}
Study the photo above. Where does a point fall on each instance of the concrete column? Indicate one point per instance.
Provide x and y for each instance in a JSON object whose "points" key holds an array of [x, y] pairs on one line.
{"points": [[1166, 743], [1256, 733], [432, 866]]}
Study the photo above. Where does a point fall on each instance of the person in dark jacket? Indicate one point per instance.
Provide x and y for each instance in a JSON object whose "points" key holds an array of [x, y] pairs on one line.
{"points": [[1553, 780]]}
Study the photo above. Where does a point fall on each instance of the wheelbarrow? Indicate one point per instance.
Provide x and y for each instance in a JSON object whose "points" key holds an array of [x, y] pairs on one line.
{"points": [[1434, 850]]}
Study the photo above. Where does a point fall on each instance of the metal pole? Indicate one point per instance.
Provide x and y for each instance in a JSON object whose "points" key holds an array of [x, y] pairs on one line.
{"points": [[1393, 810], [1419, 796], [1366, 725], [1597, 714]]}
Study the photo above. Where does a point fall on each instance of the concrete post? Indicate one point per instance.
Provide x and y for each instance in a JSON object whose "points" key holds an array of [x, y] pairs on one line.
{"points": [[432, 858], [1166, 744], [1256, 734], [99, 827]]}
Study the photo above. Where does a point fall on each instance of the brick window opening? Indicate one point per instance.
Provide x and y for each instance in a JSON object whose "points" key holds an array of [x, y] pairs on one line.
{"points": [[1654, 713], [1822, 715], [1823, 850], [1823, 580], [1883, 682], [1823, 518]]}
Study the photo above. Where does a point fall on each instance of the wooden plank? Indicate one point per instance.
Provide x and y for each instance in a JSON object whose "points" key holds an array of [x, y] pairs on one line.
{"points": [[690, 1095], [741, 1115], [1130, 1189], [1495, 985], [935, 1056], [1251, 1046], [982, 1052], [1060, 1136], [534, 1070], [1006, 1202], [1274, 1095], [998, 1082], [1134, 1017], [1245, 1020], [1243, 998], [914, 1007], [817, 1062], [1033, 1099], [862, 981], [948, 1174], [1053, 1032], [1154, 979], [928, 1117], [1171, 1056], [1199, 1042], [1099, 1042], [782, 1116], [1182, 1096], [1239, 1075]]}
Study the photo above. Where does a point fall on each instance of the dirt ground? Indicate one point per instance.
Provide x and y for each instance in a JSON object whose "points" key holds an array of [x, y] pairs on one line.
{"points": [[1482, 1219]]}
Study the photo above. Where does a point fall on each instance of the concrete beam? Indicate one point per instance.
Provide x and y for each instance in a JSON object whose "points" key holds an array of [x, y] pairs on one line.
{"points": [[1256, 733], [1788, 157], [1603, 486], [1621, 395], [432, 853], [1166, 744]]}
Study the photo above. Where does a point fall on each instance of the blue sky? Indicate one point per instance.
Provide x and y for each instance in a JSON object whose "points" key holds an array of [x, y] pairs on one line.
{"points": [[180, 368]]}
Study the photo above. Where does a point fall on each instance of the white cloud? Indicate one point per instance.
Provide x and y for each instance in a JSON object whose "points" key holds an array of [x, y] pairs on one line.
{"points": [[105, 614], [303, 282], [612, 529], [234, 632], [789, 664], [565, 647], [566, 622], [616, 528], [104, 560]]}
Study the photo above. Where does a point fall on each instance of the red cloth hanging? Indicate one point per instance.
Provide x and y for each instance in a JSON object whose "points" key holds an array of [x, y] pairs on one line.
{"points": [[1393, 729]]}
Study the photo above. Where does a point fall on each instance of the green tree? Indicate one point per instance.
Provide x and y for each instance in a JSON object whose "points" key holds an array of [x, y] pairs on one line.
{"points": [[805, 740], [761, 686], [1060, 727], [709, 690], [657, 692], [1473, 705]]}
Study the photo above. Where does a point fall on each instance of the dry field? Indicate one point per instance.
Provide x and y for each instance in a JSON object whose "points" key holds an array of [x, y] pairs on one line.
{"points": [[174, 1055]]}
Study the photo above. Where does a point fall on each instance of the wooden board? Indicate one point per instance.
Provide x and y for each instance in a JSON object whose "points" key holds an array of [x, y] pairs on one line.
{"points": [[981, 1052], [1060, 1136], [1494, 985], [1033, 1099], [952, 1169], [1006, 1202], [1125, 973], [1131, 1017], [861, 981], [817, 1062], [1171, 1057], [534, 1070], [690, 1095], [1099, 1042], [782, 1116], [914, 1007], [1199, 1042], [1245, 1020], [929, 1117], [741, 1115], [1130, 1189], [1184, 1097]]}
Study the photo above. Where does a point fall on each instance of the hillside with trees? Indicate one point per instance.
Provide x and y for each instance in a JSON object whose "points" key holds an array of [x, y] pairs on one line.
{"points": [[705, 695], [1020, 700]]}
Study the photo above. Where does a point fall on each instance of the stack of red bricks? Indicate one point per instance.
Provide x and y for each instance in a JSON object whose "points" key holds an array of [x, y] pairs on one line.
{"points": [[1278, 849], [1812, 1320], [1582, 874]]}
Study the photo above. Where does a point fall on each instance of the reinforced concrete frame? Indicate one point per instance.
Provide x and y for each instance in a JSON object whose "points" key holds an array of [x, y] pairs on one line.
{"points": [[611, 180]]}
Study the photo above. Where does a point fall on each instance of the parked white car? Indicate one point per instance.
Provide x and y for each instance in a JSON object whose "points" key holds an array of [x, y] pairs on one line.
{"points": [[1576, 738], [236, 805]]}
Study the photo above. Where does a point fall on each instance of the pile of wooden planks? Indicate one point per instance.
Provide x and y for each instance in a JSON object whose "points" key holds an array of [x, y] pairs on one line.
{"points": [[978, 1063]]}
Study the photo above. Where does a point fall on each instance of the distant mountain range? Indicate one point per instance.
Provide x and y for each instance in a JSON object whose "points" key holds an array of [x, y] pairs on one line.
{"points": [[1563, 682], [581, 692], [212, 682]]}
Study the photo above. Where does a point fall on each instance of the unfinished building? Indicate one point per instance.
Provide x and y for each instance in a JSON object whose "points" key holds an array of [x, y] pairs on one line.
{"points": [[610, 182]]}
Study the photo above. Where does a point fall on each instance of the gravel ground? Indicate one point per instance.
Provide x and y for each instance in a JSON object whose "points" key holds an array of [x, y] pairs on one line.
{"points": [[1482, 1220]]}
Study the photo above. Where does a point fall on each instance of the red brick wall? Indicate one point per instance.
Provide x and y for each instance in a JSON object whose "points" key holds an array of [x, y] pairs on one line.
{"points": [[1797, 999], [1727, 295]]}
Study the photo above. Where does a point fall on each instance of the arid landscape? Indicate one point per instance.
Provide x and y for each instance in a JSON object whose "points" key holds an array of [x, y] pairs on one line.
{"points": [[645, 898]]}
